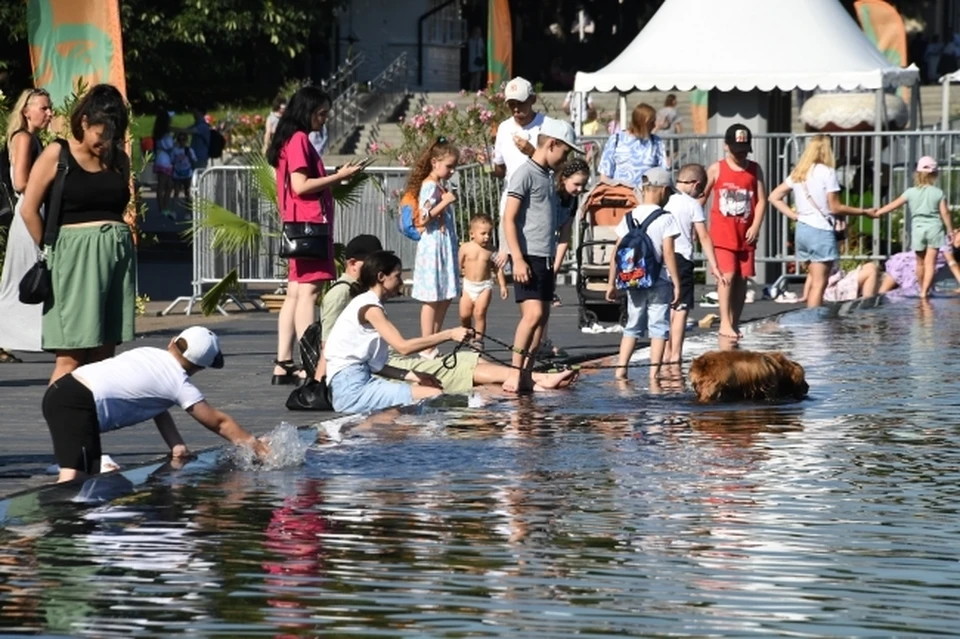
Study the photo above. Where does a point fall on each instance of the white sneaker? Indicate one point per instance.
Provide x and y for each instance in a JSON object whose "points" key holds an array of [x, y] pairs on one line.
{"points": [[750, 297]]}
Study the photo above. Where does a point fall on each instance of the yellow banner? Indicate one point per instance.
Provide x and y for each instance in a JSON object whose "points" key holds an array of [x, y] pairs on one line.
{"points": [[499, 43], [72, 40]]}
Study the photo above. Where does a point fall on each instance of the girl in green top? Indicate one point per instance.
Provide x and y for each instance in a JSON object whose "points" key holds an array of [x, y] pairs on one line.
{"points": [[929, 219]]}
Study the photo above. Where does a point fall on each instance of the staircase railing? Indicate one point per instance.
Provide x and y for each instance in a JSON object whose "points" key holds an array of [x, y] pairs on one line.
{"points": [[344, 77], [388, 90]]}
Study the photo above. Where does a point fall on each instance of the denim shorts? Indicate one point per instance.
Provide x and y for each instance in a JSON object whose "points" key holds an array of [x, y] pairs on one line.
{"points": [[816, 245], [648, 311], [356, 390]]}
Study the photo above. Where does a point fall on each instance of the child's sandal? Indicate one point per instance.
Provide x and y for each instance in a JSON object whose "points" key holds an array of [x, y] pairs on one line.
{"points": [[291, 375]]}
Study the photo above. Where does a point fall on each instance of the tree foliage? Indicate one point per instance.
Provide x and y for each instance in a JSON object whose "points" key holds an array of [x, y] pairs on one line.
{"points": [[184, 52]]}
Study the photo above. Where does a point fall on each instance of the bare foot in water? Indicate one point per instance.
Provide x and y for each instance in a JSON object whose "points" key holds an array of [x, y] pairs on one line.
{"points": [[620, 374], [549, 381], [518, 383]]}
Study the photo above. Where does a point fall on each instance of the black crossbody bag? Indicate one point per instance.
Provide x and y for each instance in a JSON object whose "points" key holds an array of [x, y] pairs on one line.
{"points": [[36, 287], [303, 239]]}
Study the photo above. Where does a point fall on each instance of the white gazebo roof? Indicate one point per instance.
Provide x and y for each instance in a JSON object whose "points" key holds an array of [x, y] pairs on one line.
{"points": [[746, 45]]}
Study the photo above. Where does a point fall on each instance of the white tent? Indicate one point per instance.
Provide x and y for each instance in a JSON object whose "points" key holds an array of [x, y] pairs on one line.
{"points": [[747, 45]]}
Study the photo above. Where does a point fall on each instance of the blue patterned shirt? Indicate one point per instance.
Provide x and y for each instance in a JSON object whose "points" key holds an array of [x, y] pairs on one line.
{"points": [[626, 158]]}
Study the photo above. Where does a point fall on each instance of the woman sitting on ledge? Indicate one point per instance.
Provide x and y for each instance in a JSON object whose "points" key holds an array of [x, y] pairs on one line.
{"points": [[357, 347]]}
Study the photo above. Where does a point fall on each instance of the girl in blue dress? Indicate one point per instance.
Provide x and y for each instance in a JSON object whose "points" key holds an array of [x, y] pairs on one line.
{"points": [[436, 280]]}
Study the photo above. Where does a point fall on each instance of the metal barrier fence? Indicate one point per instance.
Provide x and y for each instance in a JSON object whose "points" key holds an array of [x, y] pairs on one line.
{"points": [[864, 182], [374, 211]]}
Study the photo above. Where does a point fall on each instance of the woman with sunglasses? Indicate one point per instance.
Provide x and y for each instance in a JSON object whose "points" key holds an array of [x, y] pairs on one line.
{"points": [[20, 323]]}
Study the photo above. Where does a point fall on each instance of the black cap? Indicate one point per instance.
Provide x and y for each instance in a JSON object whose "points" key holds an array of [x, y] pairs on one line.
{"points": [[739, 139], [362, 246]]}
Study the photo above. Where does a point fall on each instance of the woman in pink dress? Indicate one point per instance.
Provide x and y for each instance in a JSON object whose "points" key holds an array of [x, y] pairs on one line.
{"points": [[304, 194]]}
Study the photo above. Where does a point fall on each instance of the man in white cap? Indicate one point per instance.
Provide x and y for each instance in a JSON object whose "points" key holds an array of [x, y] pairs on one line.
{"points": [[516, 141], [530, 226], [140, 384]]}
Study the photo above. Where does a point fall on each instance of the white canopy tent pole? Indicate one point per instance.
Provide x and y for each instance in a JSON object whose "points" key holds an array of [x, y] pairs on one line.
{"points": [[623, 111], [879, 120], [945, 103]]}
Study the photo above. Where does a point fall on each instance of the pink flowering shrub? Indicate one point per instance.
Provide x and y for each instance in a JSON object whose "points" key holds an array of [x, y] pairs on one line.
{"points": [[472, 128], [243, 132]]}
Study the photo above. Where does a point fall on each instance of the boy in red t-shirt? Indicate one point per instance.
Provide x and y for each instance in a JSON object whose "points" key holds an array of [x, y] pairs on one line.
{"points": [[736, 214]]}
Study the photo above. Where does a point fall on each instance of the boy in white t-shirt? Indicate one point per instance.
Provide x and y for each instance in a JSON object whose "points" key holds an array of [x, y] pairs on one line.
{"points": [[516, 141], [688, 212], [648, 309], [130, 388]]}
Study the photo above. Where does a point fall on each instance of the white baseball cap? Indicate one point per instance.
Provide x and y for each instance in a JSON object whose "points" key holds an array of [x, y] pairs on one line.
{"points": [[560, 130], [518, 89], [203, 347], [657, 176]]}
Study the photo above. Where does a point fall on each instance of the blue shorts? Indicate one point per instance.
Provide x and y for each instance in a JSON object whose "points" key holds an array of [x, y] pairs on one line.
{"points": [[355, 390], [816, 245], [648, 311]]}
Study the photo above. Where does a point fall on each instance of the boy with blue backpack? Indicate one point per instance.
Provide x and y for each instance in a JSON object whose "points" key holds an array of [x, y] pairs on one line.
{"points": [[644, 246]]}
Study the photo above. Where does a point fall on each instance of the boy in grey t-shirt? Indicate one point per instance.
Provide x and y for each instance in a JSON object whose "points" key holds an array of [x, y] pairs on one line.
{"points": [[530, 226]]}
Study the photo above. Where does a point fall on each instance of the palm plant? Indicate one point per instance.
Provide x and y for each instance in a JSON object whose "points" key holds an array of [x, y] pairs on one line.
{"points": [[230, 233]]}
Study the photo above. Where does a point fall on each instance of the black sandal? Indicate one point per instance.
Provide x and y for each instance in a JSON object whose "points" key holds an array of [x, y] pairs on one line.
{"points": [[291, 375], [7, 357]]}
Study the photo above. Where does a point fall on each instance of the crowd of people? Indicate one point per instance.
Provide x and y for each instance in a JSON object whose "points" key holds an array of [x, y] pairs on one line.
{"points": [[365, 363], [73, 212]]}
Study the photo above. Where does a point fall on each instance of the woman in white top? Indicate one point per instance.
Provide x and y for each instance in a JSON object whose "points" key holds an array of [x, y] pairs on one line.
{"points": [[357, 346], [20, 323], [816, 197]]}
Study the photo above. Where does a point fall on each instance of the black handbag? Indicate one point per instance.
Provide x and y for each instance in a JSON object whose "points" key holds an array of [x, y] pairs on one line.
{"points": [[303, 239], [36, 286], [313, 395]]}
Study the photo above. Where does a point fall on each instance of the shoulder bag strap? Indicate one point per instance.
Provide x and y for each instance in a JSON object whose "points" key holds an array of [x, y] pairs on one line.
{"points": [[52, 223], [806, 193]]}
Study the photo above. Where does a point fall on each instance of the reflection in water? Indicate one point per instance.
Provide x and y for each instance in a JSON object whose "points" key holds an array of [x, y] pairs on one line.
{"points": [[610, 510]]}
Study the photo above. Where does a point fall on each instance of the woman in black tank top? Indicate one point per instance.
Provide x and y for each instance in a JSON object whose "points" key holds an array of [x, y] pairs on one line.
{"points": [[92, 260]]}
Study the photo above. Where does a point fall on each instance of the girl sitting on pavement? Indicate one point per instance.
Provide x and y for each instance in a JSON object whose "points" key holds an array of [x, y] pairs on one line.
{"points": [[901, 270], [358, 346]]}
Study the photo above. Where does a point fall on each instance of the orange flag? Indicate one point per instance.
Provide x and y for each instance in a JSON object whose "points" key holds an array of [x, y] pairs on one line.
{"points": [[72, 40], [883, 26], [499, 43]]}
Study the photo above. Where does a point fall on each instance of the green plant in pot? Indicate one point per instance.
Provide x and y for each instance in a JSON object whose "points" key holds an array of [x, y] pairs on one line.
{"points": [[231, 234]]}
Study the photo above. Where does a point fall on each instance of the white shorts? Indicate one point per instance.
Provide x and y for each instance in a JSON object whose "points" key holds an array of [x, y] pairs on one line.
{"points": [[475, 289]]}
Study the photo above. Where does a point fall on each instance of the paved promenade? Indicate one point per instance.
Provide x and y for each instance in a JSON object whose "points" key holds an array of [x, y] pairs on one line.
{"points": [[243, 387]]}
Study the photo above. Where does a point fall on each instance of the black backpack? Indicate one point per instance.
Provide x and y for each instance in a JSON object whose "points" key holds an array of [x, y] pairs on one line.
{"points": [[217, 144]]}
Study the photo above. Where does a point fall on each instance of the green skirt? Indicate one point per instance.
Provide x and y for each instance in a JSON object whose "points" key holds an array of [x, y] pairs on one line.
{"points": [[94, 288]]}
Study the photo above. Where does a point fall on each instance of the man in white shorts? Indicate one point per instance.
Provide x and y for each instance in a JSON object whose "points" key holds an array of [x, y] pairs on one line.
{"points": [[516, 141]]}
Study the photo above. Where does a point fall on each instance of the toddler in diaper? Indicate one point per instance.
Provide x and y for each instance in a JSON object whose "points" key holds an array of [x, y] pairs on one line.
{"points": [[479, 270]]}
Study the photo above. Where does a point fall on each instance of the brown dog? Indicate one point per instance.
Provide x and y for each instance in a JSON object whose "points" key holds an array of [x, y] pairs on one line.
{"points": [[745, 375]]}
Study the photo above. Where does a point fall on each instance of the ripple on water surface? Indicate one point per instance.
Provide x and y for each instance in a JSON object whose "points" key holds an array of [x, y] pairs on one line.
{"points": [[602, 511]]}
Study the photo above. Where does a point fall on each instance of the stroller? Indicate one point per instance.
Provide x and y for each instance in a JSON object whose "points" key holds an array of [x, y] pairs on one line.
{"points": [[602, 210]]}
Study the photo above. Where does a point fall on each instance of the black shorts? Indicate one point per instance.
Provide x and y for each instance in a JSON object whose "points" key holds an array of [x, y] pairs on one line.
{"points": [[542, 280], [71, 415], [685, 271]]}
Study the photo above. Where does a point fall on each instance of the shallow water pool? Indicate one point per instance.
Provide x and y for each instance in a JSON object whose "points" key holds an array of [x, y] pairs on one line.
{"points": [[599, 512]]}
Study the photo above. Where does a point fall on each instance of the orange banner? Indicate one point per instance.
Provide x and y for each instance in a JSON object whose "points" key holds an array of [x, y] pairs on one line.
{"points": [[499, 43], [73, 40], [699, 111], [883, 26]]}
